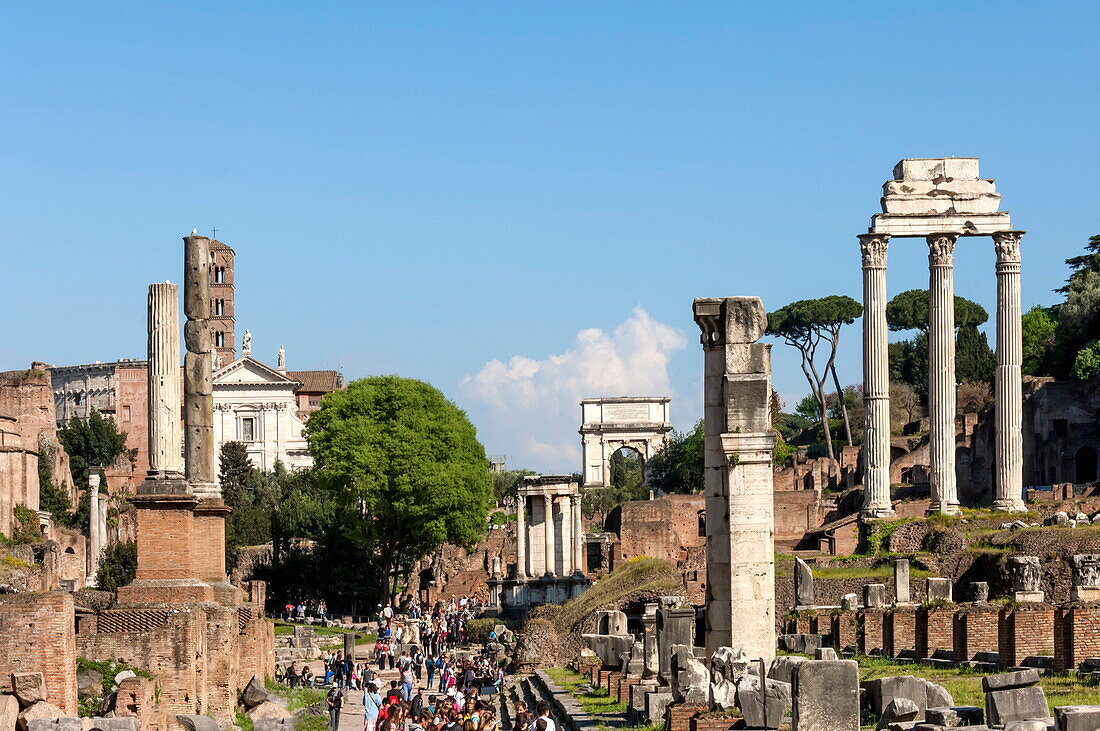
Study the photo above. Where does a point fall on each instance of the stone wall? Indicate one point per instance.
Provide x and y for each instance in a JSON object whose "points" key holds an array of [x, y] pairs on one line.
{"points": [[36, 635]]}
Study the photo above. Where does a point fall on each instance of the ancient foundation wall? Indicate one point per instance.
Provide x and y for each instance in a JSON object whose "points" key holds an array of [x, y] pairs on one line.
{"points": [[37, 635]]}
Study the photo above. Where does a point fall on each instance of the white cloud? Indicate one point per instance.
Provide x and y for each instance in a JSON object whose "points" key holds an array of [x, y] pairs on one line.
{"points": [[530, 409]]}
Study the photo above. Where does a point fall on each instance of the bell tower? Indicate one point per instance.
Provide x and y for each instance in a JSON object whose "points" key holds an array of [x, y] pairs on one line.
{"points": [[222, 315]]}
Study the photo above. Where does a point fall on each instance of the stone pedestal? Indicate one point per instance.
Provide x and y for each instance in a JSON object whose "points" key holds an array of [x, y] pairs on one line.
{"points": [[1008, 465], [740, 521], [899, 632], [209, 541], [165, 548], [876, 379], [941, 373], [935, 633]]}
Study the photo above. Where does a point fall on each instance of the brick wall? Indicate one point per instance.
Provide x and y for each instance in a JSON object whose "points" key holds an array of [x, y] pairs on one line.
{"points": [[37, 634], [1026, 631], [223, 660], [935, 631], [678, 716], [208, 548], [660, 528], [1076, 635], [899, 630], [977, 629], [869, 631], [843, 630]]}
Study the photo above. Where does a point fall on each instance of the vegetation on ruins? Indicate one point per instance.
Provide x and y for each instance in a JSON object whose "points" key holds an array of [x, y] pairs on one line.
{"points": [[92, 442], [810, 325], [51, 498], [406, 472], [247, 492], [118, 567], [677, 467]]}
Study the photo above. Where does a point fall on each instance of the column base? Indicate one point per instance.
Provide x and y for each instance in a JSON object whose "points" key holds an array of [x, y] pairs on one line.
{"points": [[874, 513], [165, 591], [942, 509], [1009, 506]]}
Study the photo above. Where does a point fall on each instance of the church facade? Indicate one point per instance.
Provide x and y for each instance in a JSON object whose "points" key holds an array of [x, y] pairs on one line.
{"points": [[257, 405]]}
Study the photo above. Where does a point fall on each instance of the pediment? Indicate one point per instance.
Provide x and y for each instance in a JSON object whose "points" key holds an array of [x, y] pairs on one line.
{"points": [[247, 369]]}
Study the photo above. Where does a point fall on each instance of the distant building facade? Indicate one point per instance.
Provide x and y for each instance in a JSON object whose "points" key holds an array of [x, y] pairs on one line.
{"points": [[223, 318]]}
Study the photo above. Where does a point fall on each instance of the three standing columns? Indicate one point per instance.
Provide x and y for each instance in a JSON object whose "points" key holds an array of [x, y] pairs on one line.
{"points": [[1008, 478], [876, 379], [941, 372], [1008, 466]]}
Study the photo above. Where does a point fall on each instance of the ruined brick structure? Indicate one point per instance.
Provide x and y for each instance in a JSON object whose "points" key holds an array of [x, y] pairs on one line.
{"points": [[36, 635]]}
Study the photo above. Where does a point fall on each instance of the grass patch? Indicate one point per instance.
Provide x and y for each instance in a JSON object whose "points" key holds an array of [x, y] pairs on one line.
{"points": [[882, 571], [642, 574], [287, 628], [598, 701], [965, 684], [296, 698]]}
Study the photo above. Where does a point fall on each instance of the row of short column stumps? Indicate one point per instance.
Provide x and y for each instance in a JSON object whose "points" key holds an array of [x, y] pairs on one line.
{"points": [[663, 678]]}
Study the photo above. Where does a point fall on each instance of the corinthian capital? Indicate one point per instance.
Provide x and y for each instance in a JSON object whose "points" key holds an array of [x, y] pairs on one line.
{"points": [[872, 247], [941, 249], [1007, 244]]}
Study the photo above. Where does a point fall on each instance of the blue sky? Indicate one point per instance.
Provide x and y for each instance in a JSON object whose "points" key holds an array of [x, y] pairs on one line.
{"points": [[427, 188]]}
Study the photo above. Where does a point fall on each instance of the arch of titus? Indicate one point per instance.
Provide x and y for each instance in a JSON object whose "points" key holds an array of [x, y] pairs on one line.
{"points": [[941, 200], [609, 424]]}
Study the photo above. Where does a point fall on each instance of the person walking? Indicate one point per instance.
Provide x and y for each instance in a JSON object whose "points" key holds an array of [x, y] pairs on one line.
{"points": [[372, 704], [335, 703]]}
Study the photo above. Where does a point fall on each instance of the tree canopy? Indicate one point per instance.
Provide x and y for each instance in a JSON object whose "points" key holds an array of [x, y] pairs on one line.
{"points": [[909, 311], [678, 465], [406, 471], [92, 442]]}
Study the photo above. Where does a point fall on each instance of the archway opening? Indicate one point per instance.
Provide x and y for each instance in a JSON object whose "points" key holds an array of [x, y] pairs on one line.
{"points": [[1085, 465], [627, 468]]}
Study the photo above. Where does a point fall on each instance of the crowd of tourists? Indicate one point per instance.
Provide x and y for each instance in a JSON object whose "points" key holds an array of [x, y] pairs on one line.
{"points": [[436, 688]]}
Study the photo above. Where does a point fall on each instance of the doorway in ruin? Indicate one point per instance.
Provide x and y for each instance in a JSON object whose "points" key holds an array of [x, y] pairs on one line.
{"points": [[1085, 465]]}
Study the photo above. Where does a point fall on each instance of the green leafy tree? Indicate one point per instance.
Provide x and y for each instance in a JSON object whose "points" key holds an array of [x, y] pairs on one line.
{"points": [[406, 470], [1087, 362], [92, 442], [628, 474], [1083, 264], [974, 359], [52, 498], [1039, 329], [118, 566], [677, 466], [250, 522], [506, 483], [909, 311], [808, 325], [235, 473]]}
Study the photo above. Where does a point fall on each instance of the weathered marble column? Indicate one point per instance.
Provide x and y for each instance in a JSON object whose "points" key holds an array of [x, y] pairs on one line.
{"points": [[578, 535], [165, 386], [521, 537], [201, 461], [95, 540], [740, 522], [548, 534], [1008, 404], [876, 379], [941, 372]]}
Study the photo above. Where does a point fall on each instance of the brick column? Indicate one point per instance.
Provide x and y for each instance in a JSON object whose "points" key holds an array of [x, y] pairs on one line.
{"points": [[1076, 634], [935, 631], [869, 627], [842, 628], [1025, 631], [977, 629], [899, 632]]}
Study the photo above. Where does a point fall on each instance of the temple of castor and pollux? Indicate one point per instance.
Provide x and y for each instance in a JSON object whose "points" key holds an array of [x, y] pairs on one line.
{"points": [[749, 624]]}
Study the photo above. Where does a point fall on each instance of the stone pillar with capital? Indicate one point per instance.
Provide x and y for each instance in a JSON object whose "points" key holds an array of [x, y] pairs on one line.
{"points": [[740, 517], [1008, 397], [95, 540], [548, 534], [941, 372], [521, 537], [876, 379], [578, 535]]}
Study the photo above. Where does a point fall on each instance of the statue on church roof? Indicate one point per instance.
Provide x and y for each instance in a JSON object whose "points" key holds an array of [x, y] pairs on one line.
{"points": [[246, 343], [282, 358]]}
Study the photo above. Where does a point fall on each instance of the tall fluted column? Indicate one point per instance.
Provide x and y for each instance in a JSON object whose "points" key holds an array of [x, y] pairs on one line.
{"points": [[95, 540], [578, 536], [548, 534], [941, 372], [1009, 450], [876, 379], [521, 536], [165, 386], [198, 370]]}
